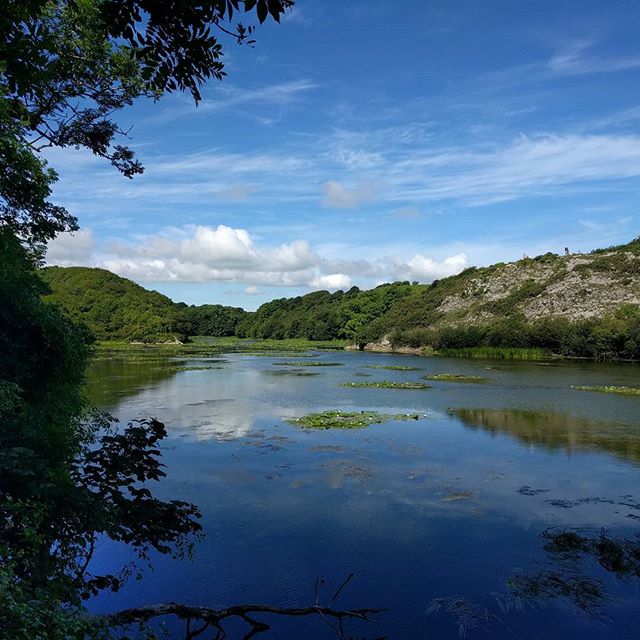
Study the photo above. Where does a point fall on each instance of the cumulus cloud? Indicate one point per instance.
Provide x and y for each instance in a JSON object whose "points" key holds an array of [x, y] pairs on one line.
{"points": [[227, 254], [253, 291], [425, 269], [70, 249], [337, 195], [333, 281]]}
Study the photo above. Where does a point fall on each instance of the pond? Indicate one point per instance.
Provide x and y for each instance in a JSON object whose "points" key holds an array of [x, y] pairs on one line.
{"points": [[507, 506]]}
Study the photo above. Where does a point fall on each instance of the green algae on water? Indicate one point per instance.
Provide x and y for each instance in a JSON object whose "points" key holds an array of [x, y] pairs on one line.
{"points": [[291, 372], [625, 391], [387, 384], [452, 377], [314, 363], [391, 367], [348, 419]]}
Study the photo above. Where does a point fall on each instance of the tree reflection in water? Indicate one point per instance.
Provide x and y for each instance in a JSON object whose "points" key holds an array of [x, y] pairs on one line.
{"points": [[569, 579]]}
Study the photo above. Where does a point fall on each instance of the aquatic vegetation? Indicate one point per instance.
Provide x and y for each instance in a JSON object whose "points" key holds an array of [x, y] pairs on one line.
{"points": [[291, 372], [187, 368], [278, 354], [625, 391], [348, 419], [391, 367], [452, 377], [526, 490], [459, 495], [495, 353], [387, 384], [314, 363]]}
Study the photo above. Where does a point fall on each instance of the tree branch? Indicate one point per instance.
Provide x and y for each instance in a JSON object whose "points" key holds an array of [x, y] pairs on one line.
{"points": [[214, 617]]}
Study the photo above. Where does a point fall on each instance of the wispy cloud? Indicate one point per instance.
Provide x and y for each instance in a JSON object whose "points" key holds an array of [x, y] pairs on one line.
{"points": [[280, 94], [577, 58], [339, 196]]}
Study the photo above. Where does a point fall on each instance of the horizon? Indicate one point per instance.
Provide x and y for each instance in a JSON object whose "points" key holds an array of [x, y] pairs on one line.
{"points": [[361, 145]]}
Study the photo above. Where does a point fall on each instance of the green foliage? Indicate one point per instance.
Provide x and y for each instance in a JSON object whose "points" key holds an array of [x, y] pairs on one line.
{"points": [[66, 479], [313, 363], [348, 419], [624, 391], [453, 377], [495, 353], [113, 308], [616, 335], [211, 320], [407, 313], [66, 67], [387, 384], [508, 305], [322, 315]]}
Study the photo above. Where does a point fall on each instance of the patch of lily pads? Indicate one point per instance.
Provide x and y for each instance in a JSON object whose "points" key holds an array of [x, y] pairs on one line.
{"points": [[194, 368], [391, 367], [313, 363], [348, 419], [453, 377], [625, 391], [291, 372], [387, 384]]}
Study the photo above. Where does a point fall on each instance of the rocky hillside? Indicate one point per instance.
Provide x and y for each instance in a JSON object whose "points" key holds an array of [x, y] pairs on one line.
{"points": [[574, 294], [575, 287]]}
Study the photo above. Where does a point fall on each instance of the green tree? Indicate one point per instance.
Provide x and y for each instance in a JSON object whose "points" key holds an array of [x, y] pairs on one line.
{"points": [[67, 66]]}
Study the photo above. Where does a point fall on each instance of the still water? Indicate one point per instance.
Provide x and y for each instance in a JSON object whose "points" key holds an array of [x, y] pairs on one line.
{"points": [[441, 520]]}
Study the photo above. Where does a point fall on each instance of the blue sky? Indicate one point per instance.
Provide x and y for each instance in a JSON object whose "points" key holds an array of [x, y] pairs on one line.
{"points": [[364, 142]]}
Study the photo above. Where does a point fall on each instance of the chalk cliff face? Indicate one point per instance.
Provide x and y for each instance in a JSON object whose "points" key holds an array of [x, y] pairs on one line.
{"points": [[575, 286]]}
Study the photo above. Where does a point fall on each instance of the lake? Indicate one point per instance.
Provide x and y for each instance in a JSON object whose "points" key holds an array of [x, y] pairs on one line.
{"points": [[509, 508]]}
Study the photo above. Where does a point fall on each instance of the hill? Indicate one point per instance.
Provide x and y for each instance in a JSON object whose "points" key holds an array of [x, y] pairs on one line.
{"points": [[113, 308], [575, 305]]}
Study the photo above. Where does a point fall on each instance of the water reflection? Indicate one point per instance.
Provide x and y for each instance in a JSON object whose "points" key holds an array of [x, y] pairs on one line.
{"points": [[447, 505], [577, 572], [112, 379], [554, 431]]}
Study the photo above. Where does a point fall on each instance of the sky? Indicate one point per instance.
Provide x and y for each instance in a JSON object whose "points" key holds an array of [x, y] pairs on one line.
{"points": [[362, 142]]}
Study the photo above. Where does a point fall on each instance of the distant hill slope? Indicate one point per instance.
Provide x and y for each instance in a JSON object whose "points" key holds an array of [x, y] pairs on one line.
{"points": [[113, 308]]}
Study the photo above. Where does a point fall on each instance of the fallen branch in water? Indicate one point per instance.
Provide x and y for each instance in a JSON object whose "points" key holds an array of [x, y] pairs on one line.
{"points": [[213, 618]]}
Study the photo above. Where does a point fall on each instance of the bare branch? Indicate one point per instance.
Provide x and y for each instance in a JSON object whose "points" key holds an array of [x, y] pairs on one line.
{"points": [[214, 617]]}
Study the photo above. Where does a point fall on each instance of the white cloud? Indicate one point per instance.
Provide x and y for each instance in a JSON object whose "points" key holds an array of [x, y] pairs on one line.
{"points": [[69, 249], [227, 254], [530, 165], [333, 281], [337, 195], [575, 59], [253, 291], [280, 94], [425, 269]]}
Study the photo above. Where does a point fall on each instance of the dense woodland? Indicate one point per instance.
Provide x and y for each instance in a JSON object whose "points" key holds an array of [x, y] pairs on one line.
{"points": [[408, 314]]}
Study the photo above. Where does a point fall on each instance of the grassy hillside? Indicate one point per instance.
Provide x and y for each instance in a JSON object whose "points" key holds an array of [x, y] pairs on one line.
{"points": [[113, 308]]}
